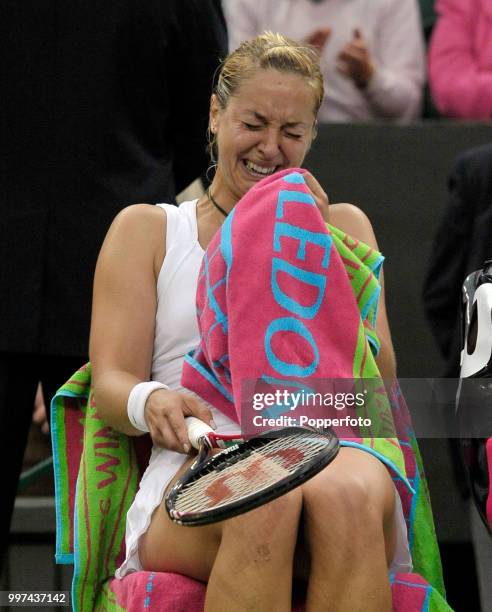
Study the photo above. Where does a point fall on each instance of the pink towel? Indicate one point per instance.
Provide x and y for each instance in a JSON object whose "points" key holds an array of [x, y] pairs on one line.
{"points": [[272, 286]]}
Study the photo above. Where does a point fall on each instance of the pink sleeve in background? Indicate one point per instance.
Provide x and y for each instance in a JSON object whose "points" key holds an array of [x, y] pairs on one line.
{"points": [[460, 59]]}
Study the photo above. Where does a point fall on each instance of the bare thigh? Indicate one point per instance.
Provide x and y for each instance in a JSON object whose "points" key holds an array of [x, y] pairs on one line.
{"points": [[169, 547], [347, 495], [192, 551]]}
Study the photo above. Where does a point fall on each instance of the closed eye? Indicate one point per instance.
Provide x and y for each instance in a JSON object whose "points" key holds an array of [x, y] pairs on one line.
{"points": [[294, 136], [251, 126]]}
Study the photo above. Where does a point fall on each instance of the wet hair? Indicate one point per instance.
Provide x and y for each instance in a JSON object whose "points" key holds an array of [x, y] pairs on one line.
{"points": [[267, 51]]}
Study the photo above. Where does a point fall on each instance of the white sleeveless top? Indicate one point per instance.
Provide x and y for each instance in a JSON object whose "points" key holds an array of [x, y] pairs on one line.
{"points": [[176, 333], [176, 328]]}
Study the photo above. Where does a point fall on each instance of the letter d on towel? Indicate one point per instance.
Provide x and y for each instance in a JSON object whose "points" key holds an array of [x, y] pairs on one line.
{"points": [[302, 276]]}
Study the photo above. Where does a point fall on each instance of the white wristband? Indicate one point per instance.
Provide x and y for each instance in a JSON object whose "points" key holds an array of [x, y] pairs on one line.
{"points": [[136, 402]]}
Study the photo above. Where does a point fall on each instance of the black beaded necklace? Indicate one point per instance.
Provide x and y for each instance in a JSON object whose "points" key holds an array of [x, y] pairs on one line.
{"points": [[219, 208]]}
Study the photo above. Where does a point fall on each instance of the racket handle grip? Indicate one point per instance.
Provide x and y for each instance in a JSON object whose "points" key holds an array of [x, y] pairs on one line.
{"points": [[197, 429]]}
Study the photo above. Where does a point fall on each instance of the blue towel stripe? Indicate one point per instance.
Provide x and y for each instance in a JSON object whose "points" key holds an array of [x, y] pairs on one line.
{"points": [[382, 458], [295, 178], [403, 443], [76, 556], [148, 588], [210, 330], [373, 300], [374, 345], [377, 266], [412, 584], [208, 376], [226, 241], [220, 316], [428, 594], [413, 507], [60, 557]]}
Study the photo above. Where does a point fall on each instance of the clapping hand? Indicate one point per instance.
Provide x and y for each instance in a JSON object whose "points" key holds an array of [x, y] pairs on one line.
{"points": [[354, 60], [319, 37]]}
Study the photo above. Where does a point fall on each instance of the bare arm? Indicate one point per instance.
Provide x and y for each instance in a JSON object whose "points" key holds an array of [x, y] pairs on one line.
{"points": [[395, 88], [122, 329], [123, 310], [354, 222]]}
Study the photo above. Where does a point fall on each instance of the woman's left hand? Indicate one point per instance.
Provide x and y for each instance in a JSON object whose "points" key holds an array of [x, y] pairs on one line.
{"points": [[322, 201]]}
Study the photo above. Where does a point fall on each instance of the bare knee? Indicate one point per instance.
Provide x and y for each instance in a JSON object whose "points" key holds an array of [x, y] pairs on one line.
{"points": [[269, 522], [253, 567], [345, 509], [267, 532], [355, 498]]}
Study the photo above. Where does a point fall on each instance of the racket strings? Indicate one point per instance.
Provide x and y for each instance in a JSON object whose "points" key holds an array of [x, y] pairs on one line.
{"points": [[242, 476]]}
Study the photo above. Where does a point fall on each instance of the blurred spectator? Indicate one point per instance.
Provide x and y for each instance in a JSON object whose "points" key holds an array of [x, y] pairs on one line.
{"points": [[372, 50], [103, 104], [460, 59], [462, 243]]}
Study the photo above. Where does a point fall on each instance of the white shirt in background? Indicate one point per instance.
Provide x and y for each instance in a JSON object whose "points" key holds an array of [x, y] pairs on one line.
{"points": [[392, 29]]}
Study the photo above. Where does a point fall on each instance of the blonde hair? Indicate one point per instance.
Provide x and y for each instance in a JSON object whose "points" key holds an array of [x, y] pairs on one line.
{"points": [[267, 51]]}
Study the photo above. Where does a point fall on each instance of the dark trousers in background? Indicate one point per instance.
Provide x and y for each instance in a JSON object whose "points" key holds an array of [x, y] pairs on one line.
{"points": [[19, 377]]}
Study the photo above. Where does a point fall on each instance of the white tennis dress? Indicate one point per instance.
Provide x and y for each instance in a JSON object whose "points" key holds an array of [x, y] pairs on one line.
{"points": [[176, 333]]}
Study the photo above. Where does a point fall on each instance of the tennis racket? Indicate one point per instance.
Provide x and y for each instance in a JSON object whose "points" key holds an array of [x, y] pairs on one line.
{"points": [[246, 474]]}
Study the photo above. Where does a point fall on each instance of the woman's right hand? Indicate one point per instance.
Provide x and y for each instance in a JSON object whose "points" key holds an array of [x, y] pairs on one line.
{"points": [[165, 412]]}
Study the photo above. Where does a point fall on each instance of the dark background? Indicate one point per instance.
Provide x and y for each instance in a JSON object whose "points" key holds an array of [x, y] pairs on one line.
{"points": [[398, 176]]}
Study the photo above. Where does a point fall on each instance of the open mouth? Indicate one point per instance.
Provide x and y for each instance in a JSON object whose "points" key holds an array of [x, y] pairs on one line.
{"points": [[257, 170]]}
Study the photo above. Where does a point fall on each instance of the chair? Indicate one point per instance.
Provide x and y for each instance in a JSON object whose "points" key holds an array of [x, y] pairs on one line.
{"points": [[96, 476]]}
